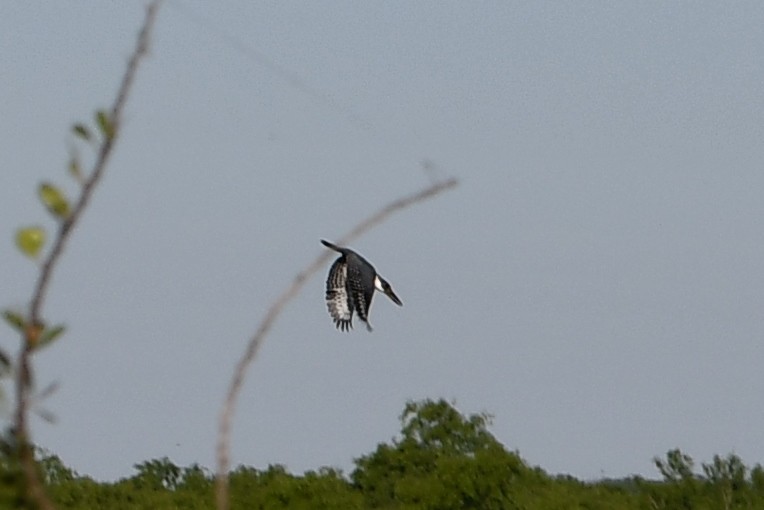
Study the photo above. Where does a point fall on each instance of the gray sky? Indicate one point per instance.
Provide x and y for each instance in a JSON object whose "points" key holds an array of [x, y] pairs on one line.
{"points": [[596, 282]]}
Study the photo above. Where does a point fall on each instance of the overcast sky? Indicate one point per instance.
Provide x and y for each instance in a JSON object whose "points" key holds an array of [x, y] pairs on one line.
{"points": [[596, 282]]}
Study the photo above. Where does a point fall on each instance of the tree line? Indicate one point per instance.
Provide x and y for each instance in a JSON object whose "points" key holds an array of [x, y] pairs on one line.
{"points": [[441, 460]]}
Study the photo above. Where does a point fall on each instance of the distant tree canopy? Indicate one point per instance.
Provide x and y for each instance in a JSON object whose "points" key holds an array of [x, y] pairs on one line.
{"points": [[441, 460]]}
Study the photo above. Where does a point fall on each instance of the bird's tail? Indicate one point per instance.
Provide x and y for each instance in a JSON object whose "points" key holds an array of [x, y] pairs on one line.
{"points": [[332, 246]]}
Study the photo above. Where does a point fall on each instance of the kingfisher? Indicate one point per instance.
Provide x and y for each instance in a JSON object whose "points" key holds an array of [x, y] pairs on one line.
{"points": [[350, 287]]}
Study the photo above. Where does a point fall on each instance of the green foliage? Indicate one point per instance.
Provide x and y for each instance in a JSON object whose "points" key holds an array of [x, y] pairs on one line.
{"points": [[441, 460], [438, 426], [75, 169], [54, 472], [54, 200], [105, 124], [726, 483], [15, 320], [5, 364], [157, 474], [676, 468], [275, 488], [82, 131], [14, 491], [30, 240], [50, 334]]}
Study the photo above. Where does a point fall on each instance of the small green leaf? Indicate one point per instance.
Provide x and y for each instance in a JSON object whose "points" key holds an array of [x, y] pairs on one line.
{"points": [[15, 319], [54, 200], [105, 124], [5, 363], [30, 240], [82, 131], [74, 169], [50, 334]]}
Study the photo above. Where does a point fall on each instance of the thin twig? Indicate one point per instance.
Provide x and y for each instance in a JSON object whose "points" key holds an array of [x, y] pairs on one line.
{"points": [[226, 415], [104, 154], [35, 323]]}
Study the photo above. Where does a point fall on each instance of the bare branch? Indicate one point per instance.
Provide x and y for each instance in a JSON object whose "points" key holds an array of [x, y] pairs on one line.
{"points": [[35, 323], [226, 415]]}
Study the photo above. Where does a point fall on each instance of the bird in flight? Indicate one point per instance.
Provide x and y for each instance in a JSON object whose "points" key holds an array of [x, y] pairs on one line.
{"points": [[350, 286]]}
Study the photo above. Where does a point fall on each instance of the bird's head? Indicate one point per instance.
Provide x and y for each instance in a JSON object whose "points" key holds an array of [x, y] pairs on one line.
{"points": [[381, 285]]}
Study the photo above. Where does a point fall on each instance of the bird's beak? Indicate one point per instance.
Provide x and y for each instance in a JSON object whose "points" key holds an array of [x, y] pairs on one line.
{"points": [[389, 293]]}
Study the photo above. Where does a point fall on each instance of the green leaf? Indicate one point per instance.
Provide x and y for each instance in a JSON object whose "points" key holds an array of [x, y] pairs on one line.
{"points": [[50, 334], [105, 124], [82, 131], [74, 169], [5, 364], [15, 319], [54, 200], [30, 240]]}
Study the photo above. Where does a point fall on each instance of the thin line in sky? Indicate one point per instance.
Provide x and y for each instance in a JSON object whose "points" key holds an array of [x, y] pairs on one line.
{"points": [[257, 57]]}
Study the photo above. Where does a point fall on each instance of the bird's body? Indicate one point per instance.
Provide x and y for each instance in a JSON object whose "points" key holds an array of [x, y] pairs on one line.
{"points": [[350, 288]]}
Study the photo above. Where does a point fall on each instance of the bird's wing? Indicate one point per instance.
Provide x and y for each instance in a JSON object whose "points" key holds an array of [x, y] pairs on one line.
{"points": [[337, 302], [360, 293]]}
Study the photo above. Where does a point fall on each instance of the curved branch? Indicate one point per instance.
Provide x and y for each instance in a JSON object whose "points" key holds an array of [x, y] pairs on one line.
{"points": [[229, 405], [35, 323], [104, 154]]}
